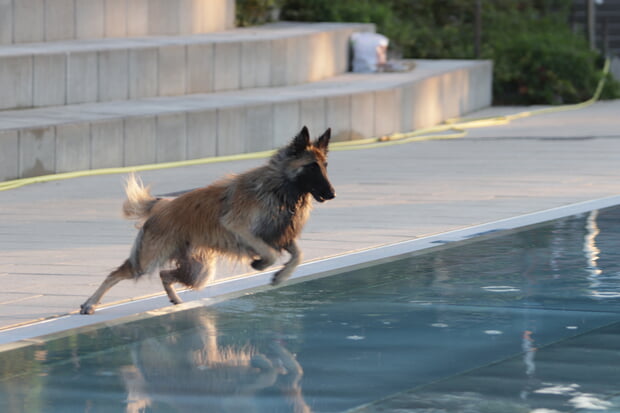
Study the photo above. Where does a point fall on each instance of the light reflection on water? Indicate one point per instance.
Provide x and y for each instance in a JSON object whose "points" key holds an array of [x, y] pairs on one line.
{"points": [[336, 343]]}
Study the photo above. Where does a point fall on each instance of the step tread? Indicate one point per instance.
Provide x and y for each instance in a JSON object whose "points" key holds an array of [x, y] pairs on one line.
{"points": [[27, 21], [169, 129], [344, 84], [257, 33]]}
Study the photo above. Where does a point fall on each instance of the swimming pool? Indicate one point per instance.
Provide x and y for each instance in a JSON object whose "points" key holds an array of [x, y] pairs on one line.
{"points": [[516, 321]]}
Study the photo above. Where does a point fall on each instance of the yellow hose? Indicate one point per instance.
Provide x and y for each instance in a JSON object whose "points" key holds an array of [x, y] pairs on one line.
{"points": [[458, 128], [126, 169]]}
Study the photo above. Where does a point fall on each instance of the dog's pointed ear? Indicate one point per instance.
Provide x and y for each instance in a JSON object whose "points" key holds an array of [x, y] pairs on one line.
{"points": [[323, 142], [300, 142]]}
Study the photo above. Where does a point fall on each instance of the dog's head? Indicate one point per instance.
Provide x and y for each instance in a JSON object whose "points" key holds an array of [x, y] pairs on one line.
{"points": [[307, 164]]}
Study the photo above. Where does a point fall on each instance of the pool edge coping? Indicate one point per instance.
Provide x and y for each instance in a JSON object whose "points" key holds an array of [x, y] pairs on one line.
{"points": [[146, 307]]}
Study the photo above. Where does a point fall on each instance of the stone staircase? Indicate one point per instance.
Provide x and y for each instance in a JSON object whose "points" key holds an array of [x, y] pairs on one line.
{"points": [[33, 21], [109, 83]]}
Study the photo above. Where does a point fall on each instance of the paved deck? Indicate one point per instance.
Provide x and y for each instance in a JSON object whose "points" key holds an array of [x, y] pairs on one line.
{"points": [[58, 240]]}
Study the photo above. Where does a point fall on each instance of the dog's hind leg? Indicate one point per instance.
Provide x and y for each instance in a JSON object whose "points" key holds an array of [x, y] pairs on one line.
{"points": [[124, 272], [168, 277], [194, 270], [290, 265]]}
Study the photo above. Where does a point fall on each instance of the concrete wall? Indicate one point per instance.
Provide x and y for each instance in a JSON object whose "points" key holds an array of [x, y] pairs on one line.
{"points": [[30, 21]]}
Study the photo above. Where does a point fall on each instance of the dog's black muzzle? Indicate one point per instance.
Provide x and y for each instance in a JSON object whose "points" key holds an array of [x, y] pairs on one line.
{"points": [[324, 195]]}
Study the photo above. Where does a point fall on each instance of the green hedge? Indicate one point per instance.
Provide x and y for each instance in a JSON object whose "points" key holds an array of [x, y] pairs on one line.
{"points": [[546, 64], [253, 12], [537, 58]]}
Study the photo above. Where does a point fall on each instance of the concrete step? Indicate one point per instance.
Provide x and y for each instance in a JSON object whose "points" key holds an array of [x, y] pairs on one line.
{"points": [[30, 21], [82, 71], [162, 129]]}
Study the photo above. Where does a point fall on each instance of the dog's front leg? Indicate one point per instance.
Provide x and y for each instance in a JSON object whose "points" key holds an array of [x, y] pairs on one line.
{"points": [[291, 264], [267, 255]]}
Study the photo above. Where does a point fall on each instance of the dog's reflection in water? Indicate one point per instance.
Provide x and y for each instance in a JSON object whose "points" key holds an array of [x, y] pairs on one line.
{"points": [[199, 374]]}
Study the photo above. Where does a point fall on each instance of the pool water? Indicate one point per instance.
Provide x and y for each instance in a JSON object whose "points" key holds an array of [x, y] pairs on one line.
{"points": [[521, 321]]}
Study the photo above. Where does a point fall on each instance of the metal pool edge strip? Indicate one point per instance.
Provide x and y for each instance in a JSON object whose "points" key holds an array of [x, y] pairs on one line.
{"points": [[49, 329]]}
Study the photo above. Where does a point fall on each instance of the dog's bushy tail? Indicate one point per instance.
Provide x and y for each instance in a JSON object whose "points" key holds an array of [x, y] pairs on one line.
{"points": [[139, 201]]}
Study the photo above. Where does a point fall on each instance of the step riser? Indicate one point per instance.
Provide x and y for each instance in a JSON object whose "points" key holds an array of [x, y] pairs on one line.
{"points": [[202, 66], [30, 21], [192, 134]]}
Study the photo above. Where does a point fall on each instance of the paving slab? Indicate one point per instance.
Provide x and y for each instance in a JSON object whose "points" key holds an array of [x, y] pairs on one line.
{"points": [[58, 240], [598, 120]]}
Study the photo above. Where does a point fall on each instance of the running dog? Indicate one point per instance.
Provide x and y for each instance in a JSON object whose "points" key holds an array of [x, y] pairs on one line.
{"points": [[255, 215]]}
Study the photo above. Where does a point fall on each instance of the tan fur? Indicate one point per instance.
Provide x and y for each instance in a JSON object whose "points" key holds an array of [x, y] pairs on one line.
{"points": [[139, 203], [255, 216], [137, 198]]}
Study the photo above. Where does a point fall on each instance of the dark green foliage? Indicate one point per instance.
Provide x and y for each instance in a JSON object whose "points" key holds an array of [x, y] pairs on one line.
{"points": [[253, 12], [537, 58], [543, 66]]}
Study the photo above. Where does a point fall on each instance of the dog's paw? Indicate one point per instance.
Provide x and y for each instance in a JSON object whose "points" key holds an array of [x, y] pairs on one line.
{"points": [[261, 362], [260, 264], [87, 309], [279, 278]]}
